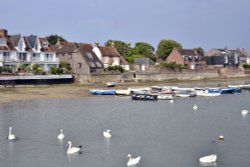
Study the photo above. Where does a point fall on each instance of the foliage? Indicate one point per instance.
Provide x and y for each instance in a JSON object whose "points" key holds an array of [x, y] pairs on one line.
{"points": [[122, 47], [142, 49], [37, 69], [165, 47], [246, 66], [200, 51], [171, 65], [53, 39], [56, 70], [65, 66], [115, 68], [5, 69]]}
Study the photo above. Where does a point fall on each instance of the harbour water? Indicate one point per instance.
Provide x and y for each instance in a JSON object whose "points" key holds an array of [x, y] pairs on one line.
{"points": [[162, 133]]}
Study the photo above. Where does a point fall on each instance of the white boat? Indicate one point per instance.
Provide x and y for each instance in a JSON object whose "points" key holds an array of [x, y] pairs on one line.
{"points": [[122, 92], [165, 97], [111, 84], [206, 93], [208, 159]]}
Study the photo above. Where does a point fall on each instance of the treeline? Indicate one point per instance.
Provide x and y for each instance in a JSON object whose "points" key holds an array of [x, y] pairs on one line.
{"points": [[139, 50]]}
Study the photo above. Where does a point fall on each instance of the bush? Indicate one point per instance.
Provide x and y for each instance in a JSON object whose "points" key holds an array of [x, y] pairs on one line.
{"points": [[115, 68], [56, 70], [171, 65], [246, 66], [37, 69], [5, 69]]}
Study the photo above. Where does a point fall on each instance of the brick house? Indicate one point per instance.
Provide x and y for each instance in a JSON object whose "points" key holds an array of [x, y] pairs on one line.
{"points": [[18, 50], [226, 58], [81, 58], [188, 58]]}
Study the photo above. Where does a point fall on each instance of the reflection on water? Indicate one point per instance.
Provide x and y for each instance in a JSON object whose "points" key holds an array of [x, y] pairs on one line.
{"points": [[162, 133]]}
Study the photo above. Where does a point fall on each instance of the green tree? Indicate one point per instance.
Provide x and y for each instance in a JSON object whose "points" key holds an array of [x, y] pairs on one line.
{"points": [[165, 47], [53, 39], [122, 47], [143, 49], [200, 51]]}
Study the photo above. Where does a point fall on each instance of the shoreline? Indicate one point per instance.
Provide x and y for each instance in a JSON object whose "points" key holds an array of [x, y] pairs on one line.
{"points": [[34, 92]]}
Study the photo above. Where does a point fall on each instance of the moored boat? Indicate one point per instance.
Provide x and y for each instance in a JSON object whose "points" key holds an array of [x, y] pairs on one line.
{"points": [[206, 93], [208, 159], [122, 92], [111, 84], [144, 96], [102, 92]]}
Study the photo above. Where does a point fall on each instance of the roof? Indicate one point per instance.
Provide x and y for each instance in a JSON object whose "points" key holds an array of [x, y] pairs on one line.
{"points": [[9, 46], [140, 61], [109, 51], [90, 57], [219, 52], [66, 48], [32, 40], [124, 61], [187, 52], [15, 39]]}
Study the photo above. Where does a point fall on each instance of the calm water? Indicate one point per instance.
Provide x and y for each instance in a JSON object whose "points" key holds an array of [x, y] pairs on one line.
{"points": [[163, 133]]}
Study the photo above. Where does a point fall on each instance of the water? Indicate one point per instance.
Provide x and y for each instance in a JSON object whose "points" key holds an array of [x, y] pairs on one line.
{"points": [[162, 133]]}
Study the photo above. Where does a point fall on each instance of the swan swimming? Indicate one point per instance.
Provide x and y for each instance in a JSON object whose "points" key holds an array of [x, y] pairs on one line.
{"points": [[244, 112], [133, 161], [71, 149], [107, 133], [11, 136], [61, 135], [195, 107], [208, 159]]}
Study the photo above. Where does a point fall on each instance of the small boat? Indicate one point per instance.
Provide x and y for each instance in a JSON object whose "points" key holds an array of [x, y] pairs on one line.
{"points": [[207, 94], [165, 97], [102, 92], [144, 96], [122, 92], [221, 90], [208, 159], [111, 84]]}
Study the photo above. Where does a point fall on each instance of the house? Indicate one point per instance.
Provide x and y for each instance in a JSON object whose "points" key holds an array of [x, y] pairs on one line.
{"points": [[81, 58], [18, 50], [226, 58], [143, 64], [188, 58], [110, 56]]}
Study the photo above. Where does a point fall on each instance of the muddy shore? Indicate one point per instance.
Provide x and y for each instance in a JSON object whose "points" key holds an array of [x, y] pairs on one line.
{"points": [[29, 92]]}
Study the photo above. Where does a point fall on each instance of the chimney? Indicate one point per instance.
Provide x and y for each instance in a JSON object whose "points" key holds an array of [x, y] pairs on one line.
{"points": [[3, 32]]}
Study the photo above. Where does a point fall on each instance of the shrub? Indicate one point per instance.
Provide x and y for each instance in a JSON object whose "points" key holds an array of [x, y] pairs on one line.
{"points": [[115, 68], [246, 66]]}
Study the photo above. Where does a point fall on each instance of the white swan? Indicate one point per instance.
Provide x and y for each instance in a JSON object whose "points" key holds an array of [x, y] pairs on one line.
{"points": [[195, 107], [11, 136], [133, 161], [107, 133], [71, 149], [208, 159], [61, 135], [244, 112]]}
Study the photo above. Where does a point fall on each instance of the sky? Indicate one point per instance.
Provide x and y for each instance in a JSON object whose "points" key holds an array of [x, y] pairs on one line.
{"points": [[193, 23]]}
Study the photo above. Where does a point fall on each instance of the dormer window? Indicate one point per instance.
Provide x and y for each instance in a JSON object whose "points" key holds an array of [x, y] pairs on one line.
{"points": [[45, 44], [3, 41]]}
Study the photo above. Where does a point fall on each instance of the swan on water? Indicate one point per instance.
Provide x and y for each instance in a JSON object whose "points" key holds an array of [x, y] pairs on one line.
{"points": [[107, 133], [208, 159], [71, 149], [195, 107], [244, 112], [133, 161], [11, 136], [61, 135]]}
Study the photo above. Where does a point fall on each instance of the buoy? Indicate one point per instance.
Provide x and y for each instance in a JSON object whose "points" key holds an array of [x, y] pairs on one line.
{"points": [[221, 137]]}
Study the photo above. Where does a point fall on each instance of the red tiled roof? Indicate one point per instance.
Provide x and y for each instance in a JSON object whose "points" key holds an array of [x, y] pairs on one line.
{"points": [[109, 52]]}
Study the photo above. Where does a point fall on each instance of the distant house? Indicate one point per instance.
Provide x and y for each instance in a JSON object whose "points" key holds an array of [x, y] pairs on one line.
{"points": [[81, 58], [110, 56], [226, 58], [18, 50], [188, 58], [143, 64]]}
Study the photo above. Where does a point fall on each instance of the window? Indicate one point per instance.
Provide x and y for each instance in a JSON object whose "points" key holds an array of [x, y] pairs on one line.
{"points": [[98, 64], [89, 55], [48, 57], [45, 44], [91, 64], [6, 56], [36, 57], [79, 65], [2, 41], [22, 56]]}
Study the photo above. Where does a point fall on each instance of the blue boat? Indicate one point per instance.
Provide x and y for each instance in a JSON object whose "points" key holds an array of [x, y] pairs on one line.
{"points": [[221, 90], [102, 92]]}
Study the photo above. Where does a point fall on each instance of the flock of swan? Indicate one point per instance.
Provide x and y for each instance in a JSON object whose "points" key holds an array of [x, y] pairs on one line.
{"points": [[73, 150], [131, 161]]}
